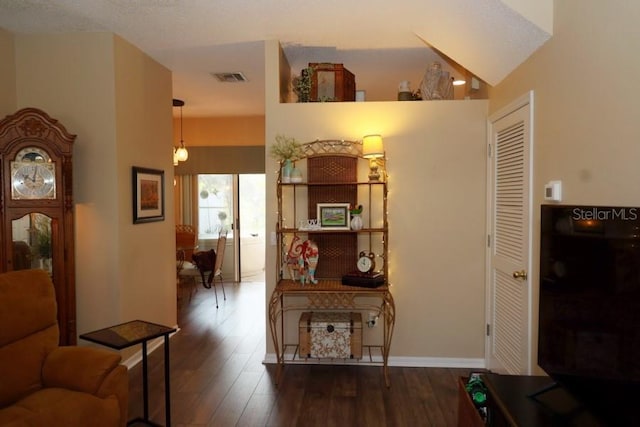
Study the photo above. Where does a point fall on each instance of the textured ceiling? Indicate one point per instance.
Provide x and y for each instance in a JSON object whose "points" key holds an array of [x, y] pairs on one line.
{"points": [[380, 43]]}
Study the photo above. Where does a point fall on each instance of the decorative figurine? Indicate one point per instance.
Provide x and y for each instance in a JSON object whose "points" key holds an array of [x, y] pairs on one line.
{"points": [[308, 262], [302, 258]]}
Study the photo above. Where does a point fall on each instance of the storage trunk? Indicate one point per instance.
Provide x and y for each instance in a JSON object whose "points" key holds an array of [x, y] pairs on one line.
{"points": [[331, 335]]}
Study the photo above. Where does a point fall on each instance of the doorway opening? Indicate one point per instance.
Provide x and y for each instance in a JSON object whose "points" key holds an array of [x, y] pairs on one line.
{"points": [[234, 203]]}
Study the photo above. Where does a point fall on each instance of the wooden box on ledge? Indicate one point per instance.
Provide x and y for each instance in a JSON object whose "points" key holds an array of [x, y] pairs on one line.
{"points": [[332, 82]]}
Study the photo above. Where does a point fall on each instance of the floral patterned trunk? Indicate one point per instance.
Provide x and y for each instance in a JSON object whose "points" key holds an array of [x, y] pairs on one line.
{"points": [[334, 335]]}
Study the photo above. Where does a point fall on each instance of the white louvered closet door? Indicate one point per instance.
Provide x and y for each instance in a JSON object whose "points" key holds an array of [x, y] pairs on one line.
{"points": [[509, 243]]}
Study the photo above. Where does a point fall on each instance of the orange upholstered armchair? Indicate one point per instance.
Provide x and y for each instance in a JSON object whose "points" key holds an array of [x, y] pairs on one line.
{"points": [[42, 384]]}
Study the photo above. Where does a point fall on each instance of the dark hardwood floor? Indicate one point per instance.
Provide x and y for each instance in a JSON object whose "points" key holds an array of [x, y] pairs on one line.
{"points": [[218, 379]]}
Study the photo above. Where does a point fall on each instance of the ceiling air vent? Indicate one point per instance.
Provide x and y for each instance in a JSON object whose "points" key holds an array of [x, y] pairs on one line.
{"points": [[230, 77]]}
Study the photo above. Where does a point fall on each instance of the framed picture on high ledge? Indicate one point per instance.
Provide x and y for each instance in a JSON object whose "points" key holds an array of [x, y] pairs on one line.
{"points": [[333, 216], [148, 195]]}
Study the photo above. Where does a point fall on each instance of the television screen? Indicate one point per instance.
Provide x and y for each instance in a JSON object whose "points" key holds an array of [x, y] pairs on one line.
{"points": [[589, 311]]}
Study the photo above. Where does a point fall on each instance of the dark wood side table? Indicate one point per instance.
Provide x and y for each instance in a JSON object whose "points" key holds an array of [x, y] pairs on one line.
{"points": [[510, 404], [132, 333]]}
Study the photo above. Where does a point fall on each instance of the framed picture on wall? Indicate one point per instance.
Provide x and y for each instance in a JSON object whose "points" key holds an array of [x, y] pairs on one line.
{"points": [[333, 216], [148, 195]]}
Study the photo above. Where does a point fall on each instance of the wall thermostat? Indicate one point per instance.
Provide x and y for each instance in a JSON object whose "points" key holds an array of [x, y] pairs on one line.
{"points": [[553, 191]]}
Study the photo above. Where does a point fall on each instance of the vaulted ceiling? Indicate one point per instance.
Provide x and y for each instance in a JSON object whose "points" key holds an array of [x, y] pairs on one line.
{"points": [[381, 42]]}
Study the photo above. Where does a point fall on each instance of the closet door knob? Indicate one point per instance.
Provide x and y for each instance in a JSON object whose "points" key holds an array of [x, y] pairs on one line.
{"points": [[520, 275]]}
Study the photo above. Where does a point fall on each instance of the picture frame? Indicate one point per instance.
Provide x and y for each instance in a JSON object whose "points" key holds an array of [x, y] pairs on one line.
{"points": [[148, 194], [334, 216]]}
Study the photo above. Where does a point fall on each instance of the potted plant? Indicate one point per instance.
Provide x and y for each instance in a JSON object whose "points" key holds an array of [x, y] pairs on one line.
{"points": [[286, 150], [302, 84], [44, 244], [356, 219], [42, 248]]}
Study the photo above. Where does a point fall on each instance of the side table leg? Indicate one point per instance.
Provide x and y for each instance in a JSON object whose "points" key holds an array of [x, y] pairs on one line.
{"points": [[145, 382], [167, 383]]}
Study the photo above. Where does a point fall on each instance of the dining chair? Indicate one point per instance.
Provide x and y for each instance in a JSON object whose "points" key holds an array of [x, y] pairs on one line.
{"points": [[211, 262], [222, 244], [186, 240], [187, 272]]}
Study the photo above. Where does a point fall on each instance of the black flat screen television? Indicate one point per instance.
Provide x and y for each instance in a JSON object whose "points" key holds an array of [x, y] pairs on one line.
{"points": [[589, 308]]}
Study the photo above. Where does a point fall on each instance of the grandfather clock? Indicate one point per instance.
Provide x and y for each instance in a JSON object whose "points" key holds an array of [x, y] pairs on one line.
{"points": [[36, 215]]}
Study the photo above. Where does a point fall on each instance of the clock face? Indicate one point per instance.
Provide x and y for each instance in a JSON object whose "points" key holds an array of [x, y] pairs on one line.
{"points": [[365, 262], [33, 180]]}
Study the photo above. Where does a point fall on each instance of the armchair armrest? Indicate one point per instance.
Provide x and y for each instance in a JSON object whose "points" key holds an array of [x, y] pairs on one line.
{"points": [[90, 370], [78, 368]]}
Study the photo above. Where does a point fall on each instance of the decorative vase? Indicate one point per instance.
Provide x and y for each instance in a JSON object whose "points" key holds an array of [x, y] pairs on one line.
{"points": [[436, 83], [356, 222], [286, 170], [296, 175]]}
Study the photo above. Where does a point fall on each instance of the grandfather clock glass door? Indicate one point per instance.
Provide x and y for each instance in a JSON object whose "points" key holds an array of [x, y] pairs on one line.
{"points": [[36, 216], [31, 239]]}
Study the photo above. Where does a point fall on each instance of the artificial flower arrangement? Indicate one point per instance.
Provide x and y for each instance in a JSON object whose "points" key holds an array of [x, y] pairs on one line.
{"points": [[286, 148]]}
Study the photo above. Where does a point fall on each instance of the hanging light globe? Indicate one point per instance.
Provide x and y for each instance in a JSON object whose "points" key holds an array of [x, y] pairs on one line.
{"points": [[182, 154]]}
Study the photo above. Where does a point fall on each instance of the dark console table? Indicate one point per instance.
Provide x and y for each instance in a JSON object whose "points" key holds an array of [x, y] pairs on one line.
{"points": [[509, 403], [132, 333]]}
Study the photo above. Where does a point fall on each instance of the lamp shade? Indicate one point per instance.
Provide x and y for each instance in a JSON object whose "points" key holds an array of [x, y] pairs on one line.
{"points": [[372, 146]]}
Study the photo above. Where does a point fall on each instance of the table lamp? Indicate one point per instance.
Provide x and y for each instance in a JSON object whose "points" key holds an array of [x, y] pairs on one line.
{"points": [[373, 150]]}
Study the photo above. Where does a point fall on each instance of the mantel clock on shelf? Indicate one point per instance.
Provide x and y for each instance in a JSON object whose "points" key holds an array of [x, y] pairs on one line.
{"points": [[366, 262]]}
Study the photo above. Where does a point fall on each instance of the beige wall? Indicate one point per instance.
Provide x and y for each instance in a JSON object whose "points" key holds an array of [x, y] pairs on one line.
{"points": [[115, 99], [586, 110], [146, 252], [219, 131], [436, 163], [7, 74]]}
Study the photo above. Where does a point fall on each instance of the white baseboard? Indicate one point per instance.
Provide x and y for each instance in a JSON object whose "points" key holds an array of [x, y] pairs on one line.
{"points": [[407, 362], [437, 362]]}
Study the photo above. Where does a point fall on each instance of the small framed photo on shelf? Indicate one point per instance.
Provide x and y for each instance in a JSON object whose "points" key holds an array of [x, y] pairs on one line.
{"points": [[148, 195], [334, 216]]}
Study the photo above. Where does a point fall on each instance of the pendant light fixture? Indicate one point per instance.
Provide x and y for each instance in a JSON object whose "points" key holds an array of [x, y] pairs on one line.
{"points": [[180, 154]]}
